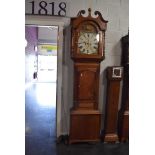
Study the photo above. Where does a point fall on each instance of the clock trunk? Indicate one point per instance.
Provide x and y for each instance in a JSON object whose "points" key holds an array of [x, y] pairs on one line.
{"points": [[86, 80]]}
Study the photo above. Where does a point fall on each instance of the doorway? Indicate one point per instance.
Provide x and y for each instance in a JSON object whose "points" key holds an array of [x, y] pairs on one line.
{"points": [[62, 23], [41, 83]]}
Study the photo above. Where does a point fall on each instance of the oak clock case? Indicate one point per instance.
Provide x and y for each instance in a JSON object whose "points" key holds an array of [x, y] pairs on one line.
{"points": [[87, 51]]}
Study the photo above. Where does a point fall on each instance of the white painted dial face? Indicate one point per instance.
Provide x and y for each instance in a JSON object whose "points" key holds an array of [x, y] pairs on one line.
{"points": [[88, 43]]}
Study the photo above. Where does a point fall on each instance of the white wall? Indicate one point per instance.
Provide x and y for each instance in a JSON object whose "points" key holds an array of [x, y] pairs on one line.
{"points": [[117, 14]]}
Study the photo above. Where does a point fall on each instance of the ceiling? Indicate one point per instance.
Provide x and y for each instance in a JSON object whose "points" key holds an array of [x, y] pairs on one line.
{"points": [[47, 35]]}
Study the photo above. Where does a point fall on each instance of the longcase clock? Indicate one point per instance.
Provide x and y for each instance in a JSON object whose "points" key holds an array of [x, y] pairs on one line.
{"points": [[114, 77], [87, 51]]}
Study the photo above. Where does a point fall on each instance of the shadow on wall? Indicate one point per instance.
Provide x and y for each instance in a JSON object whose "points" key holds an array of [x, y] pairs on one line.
{"points": [[117, 61], [116, 54], [67, 82], [104, 82]]}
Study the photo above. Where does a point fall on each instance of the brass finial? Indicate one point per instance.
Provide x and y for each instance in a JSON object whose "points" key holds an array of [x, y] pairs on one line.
{"points": [[89, 11]]}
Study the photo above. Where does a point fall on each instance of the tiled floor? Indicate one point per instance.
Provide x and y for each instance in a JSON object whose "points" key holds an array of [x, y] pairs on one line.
{"points": [[40, 111], [40, 136]]}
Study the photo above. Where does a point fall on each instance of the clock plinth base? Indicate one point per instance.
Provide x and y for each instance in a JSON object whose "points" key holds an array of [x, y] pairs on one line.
{"points": [[111, 137], [85, 126]]}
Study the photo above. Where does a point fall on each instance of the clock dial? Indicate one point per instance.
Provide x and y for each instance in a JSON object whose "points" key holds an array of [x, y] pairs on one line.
{"points": [[88, 43]]}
